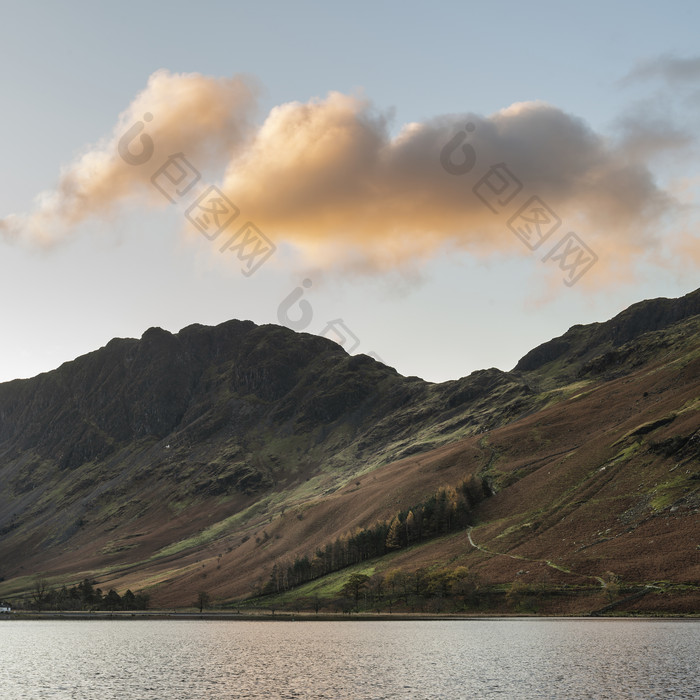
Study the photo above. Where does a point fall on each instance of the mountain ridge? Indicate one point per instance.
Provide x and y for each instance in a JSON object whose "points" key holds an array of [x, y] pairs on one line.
{"points": [[144, 453], [641, 317]]}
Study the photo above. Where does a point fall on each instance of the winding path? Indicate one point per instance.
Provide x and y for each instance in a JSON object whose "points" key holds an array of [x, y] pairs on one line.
{"points": [[548, 562]]}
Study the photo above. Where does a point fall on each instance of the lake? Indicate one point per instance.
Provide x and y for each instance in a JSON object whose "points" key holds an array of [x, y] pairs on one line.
{"points": [[501, 658]]}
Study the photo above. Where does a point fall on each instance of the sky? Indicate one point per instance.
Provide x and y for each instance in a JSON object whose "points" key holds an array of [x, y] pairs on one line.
{"points": [[442, 185]]}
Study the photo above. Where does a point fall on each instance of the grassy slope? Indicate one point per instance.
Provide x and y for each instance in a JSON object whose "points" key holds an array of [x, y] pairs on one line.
{"points": [[583, 487]]}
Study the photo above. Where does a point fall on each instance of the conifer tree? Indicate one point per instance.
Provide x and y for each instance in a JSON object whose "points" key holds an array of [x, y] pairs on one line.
{"points": [[393, 538]]}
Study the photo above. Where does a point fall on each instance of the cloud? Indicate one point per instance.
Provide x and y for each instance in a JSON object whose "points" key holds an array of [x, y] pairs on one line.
{"points": [[668, 67], [643, 135], [329, 178], [208, 118]]}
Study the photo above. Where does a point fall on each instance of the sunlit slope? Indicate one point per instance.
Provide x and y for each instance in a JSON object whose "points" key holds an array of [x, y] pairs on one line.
{"points": [[194, 461]]}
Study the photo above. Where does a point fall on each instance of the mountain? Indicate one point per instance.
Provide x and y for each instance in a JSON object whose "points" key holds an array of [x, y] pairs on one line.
{"points": [[212, 458]]}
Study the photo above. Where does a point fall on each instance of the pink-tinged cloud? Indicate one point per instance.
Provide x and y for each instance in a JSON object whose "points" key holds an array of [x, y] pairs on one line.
{"points": [[329, 178], [209, 117]]}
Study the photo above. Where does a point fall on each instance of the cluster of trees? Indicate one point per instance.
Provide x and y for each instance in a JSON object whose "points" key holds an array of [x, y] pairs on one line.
{"points": [[413, 588], [436, 590], [423, 589], [84, 596], [447, 510]]}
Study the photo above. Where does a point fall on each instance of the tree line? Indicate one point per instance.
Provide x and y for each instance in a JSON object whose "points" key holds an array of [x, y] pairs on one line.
{"points": [[413, 588], [447, 510], [83, 596], [434, 590]]}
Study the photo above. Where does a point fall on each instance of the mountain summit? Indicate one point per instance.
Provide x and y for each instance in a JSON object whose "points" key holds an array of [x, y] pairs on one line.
{"points": [[206, 458]]}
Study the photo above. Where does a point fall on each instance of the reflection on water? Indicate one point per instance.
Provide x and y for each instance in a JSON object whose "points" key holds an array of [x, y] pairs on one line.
{"points": [[173, 660]]}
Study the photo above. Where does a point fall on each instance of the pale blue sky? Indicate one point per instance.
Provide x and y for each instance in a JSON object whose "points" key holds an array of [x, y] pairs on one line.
{"points": [[69, 69]]}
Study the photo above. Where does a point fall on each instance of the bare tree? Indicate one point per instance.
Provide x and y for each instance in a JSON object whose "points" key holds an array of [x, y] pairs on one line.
{"points": [[39, 592], [203, 600]]}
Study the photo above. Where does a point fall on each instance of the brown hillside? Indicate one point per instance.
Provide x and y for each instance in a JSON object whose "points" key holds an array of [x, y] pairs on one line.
{"points": [[592, 457]]}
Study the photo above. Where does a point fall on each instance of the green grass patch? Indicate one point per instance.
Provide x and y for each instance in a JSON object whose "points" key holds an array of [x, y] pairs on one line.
{"points": [[667, 493], [327, 587], [624, 454], [213, 532]]}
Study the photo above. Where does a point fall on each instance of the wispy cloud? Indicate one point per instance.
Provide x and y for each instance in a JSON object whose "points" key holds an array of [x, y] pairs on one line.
{"points": [[670, 68], [207, 117]]}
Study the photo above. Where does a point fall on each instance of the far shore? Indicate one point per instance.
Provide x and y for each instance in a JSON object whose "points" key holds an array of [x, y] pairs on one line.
{"points": [[319, 617]]}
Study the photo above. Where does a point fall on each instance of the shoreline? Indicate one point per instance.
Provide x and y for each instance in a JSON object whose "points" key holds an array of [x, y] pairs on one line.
{"points": [[325, 617]]}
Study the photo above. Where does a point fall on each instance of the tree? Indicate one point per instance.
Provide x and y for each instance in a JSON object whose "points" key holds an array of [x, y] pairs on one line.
{"points": [[612, 585], [39, 592], [355, 584], [519, 596], [62, 598], [376, 587], [407, 581], [393, 580], [142, 601], [466, 585], [88, 594], [439, 583], [129, 600], [203, 600], [393, 538], [112, 600], [318, 565], [419, 581], [410, 526]]}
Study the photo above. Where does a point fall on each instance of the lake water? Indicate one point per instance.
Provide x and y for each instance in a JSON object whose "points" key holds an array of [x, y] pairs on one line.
{"points": [[216, 660]]}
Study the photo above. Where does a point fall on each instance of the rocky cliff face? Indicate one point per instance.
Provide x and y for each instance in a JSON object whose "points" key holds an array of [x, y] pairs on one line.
{"points": [[236, 380], [235, 412], [580, 344]]}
